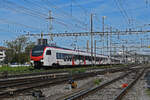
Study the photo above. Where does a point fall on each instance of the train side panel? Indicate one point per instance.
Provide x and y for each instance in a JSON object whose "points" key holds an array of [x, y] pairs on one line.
{"points": [[49, 57]]}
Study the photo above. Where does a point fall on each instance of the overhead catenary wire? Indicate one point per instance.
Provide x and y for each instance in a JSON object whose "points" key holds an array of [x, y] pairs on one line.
{"points": [[128, 16], [16, 10], [121, 11], [25, 10], [34, 13], [86, 12], [49, 3], [37, 4], [19, 24]]}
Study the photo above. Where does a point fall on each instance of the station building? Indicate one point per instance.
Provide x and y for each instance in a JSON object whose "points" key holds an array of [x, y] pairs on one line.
{"points": [[2, 54]]}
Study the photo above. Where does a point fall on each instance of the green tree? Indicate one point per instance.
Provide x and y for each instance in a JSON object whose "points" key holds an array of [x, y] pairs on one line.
{"points": [[28, 50], [18, 50]]}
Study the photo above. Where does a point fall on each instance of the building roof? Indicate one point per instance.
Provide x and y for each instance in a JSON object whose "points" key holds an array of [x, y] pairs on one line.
{"points": [[3, 48]]}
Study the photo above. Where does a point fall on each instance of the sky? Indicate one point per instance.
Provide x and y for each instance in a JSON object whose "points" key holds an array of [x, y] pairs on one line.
{"points": [[17, 17]]}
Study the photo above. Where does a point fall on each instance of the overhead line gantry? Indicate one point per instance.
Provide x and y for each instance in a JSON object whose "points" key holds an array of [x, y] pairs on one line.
{"points": [[88, 33]]}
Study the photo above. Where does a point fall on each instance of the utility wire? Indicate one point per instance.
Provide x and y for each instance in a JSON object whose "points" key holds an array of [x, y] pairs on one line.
{"points": [[86, 12], [37, 3], [46, 8], [14, 7], [117, 4], [49, 3], [27, 11], [19, 24]]}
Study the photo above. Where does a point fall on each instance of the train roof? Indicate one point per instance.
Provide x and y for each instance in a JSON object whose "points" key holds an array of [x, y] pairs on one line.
{"points": [[58, 47], [54, 46]]}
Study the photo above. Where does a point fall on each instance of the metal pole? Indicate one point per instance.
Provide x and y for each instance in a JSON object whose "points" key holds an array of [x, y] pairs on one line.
{"points": [[41, 38], [95, 51], [50, 20], [91, 38], [87, 45], [126, 54], [123, 53], [107, 43], [110, 40], [71, 8], [103, 28], [141, 43]]}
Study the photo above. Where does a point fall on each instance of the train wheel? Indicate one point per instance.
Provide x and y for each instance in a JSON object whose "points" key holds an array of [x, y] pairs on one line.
{"points": [[54, 65], [36, 67]]}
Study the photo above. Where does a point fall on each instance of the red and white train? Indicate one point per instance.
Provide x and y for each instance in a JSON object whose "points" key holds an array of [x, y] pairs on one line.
{"points": [[42, 55]]}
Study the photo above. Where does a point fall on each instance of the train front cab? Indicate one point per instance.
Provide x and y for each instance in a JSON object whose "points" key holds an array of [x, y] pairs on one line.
{"points": [[36, 56]]}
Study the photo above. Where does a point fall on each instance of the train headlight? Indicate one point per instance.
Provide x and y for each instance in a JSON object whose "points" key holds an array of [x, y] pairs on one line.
{"points": [[42, 60]]}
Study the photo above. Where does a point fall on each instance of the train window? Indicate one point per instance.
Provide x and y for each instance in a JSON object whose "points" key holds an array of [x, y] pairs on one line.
{"points": [[80, 57], [57, 56], [97, 58], [62, 56], [65, 58], [48, 52], [90, 58], [75, 57], [38, 50], [86, 58]]}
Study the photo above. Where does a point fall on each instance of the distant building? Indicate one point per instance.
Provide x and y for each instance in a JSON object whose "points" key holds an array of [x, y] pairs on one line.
{"points": [[2, 54]]}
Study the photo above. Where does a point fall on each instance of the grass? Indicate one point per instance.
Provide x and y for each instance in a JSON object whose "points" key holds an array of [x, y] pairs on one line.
{"points": [[76, 71], [97, 81], [23, 70], [17, 70]]}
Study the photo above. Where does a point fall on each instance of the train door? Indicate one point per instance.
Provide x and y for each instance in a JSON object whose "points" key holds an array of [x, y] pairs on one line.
{"points": [[49, 57]]}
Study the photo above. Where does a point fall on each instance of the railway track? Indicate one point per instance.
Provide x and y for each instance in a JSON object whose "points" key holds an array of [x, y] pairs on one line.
{"points": [[125, 90], [49, 75], [31, 74], [9, 88], [6, 76], [83, 94]]}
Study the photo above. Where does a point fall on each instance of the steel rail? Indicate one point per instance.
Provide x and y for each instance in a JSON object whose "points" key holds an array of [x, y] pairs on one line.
{"points": [[3, 77], [125, 90], [84, 93], [15, 82], [31, 85], [31, 74], [44, 83], [47, 74]]}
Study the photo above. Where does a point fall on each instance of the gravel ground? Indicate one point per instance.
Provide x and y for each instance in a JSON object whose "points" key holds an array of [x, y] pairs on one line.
{"points": [[111, 91], [138, 92], [55, 92]]}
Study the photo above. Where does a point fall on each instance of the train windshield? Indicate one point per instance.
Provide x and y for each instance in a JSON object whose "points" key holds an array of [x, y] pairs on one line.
{"points": [[38, 50]]}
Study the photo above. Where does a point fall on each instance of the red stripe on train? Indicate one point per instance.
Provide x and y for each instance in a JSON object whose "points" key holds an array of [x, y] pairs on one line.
{"points": [[36, 58], [73, 61], [84, 61]]}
